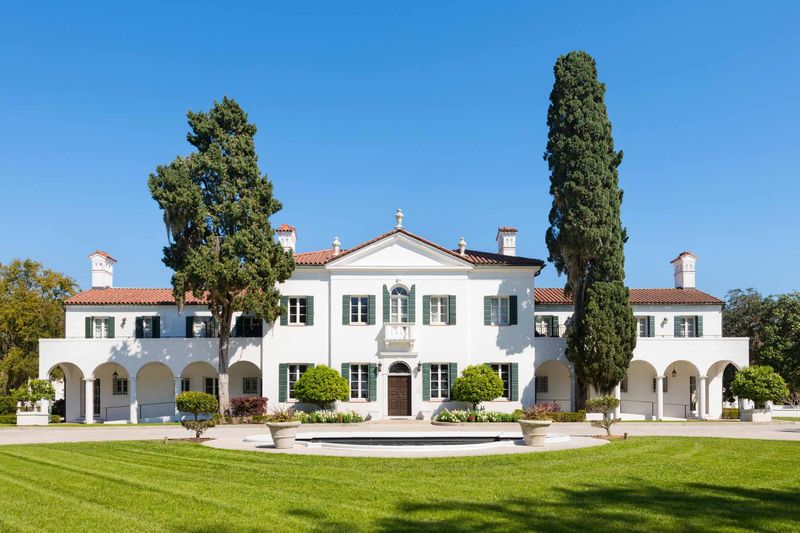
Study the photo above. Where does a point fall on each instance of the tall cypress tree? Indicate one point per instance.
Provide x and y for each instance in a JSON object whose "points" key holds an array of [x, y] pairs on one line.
{"points": [[585, 239]]}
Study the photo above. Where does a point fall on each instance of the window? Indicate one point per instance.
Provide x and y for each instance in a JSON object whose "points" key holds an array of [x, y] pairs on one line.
{"points": [[685, 326], [212, 386], [500, 309], [440, 381], [542, 384], [439, 310], [295, 371], [665, 388], [101, 328], [147, 327], [543, 327], [398, 306], [250, 385], [119, 386], [186, 384], [623, 385], [359, 309], [249, 326], [641, 329], [504, 371], [96, 397], [359, 382], [297, 310], [205, 326]]}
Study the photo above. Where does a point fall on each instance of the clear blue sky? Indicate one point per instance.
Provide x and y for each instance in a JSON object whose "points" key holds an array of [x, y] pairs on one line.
{"points": [[437, 107]]}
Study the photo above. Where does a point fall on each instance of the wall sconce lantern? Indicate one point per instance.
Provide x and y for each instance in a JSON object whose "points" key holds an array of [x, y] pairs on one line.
{"points": [[674, 373]]}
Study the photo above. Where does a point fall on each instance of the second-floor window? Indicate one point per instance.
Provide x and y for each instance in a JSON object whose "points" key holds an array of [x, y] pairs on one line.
{"points": [[688, 326], [641, 323], [205, 326], [398, 306], [359, 309], [101, 328], [439, 309], [297, 310], [248, 326], [500, 311]]}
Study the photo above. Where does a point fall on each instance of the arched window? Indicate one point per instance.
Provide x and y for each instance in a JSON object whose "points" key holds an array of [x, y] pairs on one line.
{"points": [[398, 305], [399, 367]]}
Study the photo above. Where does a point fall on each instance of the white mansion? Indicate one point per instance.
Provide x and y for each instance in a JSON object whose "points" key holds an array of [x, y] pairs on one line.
{"points": [[400, 317]]}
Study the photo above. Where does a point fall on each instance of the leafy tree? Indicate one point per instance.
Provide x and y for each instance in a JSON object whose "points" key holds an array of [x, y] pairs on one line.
{"points": [[586, 239], [31, 299], [759, 384], [478, 383], [216, 207], [197, 403], [605, 405], [321, 385], [773, 325], [34, 391]]}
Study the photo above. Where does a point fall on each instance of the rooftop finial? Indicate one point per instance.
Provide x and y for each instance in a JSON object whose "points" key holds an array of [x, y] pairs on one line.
{"points": [[462, 246], [398, 216], [336, 246]]}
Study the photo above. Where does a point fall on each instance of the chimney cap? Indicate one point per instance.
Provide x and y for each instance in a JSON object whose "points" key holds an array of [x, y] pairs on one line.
{"points": [[682, 255], [102, 254], [286, 227]]}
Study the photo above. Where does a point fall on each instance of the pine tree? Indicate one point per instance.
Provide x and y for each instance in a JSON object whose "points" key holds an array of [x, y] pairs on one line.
{"points": [[216, 208], [585, 239]]}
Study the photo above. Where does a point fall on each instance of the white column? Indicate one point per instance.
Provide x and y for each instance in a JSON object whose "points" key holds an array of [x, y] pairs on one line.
{"points": [[618, 396], [88, 388], [133, 417], [701, 404], [178, 381], [659, 397]]}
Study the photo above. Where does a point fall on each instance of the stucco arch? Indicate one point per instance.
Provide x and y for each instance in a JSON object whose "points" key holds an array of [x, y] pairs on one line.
{"points": [[636, 392], [155, 387], [112, 379], [719, 366], [240, 370], [198, 372], [557, 388], [73, 389]]}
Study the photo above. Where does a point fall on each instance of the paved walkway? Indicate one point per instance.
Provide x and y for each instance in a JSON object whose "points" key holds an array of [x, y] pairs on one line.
{"points": [[739, 430]]}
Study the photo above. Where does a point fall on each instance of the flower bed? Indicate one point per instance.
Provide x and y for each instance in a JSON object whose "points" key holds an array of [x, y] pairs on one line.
{"points": [[471, 415], [330, 417]]}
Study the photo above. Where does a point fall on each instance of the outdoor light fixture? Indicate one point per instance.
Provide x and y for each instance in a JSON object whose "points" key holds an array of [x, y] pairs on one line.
{"points": [[115, 375], [419, 366], [674, 373], [379, 366]]}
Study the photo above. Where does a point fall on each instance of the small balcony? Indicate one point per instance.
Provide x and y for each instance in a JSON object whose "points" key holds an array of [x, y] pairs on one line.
{"points": [[398, 335]]}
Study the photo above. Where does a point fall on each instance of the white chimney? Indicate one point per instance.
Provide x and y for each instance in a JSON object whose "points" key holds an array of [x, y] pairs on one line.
{"points": [[287, 237], [462, 246], [507, 241], [336, 246], [102, 269], [398, 219], [684, 270]]}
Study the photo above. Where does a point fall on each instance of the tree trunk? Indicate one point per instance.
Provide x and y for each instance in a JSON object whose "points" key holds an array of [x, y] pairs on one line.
{"points": [[224, 341]]}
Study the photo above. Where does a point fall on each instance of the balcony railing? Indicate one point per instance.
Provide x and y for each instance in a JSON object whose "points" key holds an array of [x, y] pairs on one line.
{"points": [[398, 333]]}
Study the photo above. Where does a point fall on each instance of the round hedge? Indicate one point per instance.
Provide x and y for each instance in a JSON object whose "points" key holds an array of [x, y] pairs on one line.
{"points": [[478, 383], [321, 385], [197, 403]]}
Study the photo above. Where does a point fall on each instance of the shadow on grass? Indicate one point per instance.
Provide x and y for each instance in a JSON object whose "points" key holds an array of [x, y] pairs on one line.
{"points": [[688, 506]]}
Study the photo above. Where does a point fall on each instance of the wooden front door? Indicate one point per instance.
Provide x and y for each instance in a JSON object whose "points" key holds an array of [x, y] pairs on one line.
{"points": [[399, 395]]}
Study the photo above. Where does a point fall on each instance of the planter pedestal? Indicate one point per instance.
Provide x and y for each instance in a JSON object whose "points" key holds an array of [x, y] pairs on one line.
{"points": [[534, 431], [755, 415], [32, 418], [283, 434]]}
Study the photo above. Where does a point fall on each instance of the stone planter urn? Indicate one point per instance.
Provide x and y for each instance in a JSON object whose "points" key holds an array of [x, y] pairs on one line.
{"points": [[534, 431], [283, 433]]}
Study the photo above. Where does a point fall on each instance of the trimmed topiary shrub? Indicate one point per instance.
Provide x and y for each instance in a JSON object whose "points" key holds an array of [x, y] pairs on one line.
{"points": [[248, 406], [321, 385], [730, 413], [478, 383], [760, 384], [197, 403], [605, 405]]}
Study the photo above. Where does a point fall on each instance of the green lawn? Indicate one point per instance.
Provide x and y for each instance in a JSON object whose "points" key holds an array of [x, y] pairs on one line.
{"points": [[642, 484], [787, 418]]}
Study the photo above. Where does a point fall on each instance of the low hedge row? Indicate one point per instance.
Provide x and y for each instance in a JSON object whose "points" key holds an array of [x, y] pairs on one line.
{"points": [[11, 418], [730, 413]]}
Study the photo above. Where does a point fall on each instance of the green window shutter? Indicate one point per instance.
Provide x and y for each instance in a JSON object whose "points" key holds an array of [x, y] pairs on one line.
{"points": [[412, 305], [452, 375], [189, 327], [283, 382], [309, 310], [373, 382], [451, 310], [371, 310], [651, 326], [346, 372], [111, 327], [554, 326], [345, 309], [513, 378], [89, 327], [426, 381], [698, 326], [156, 327], [285, 314], [239, 327], [512, 310], [385, 304], [678, 325], [139, 327], [487, 310], [426, 310]]}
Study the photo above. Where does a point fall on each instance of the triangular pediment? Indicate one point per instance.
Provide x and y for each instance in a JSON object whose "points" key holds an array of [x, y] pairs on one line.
{"points": [[399, 252]]}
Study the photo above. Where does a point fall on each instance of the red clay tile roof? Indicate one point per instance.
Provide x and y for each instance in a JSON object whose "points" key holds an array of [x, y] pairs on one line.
{"points": [[687, 252], [475, 257], [101, 252], [286, 227], [120, 296], [638, 296], [507, 228]]}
